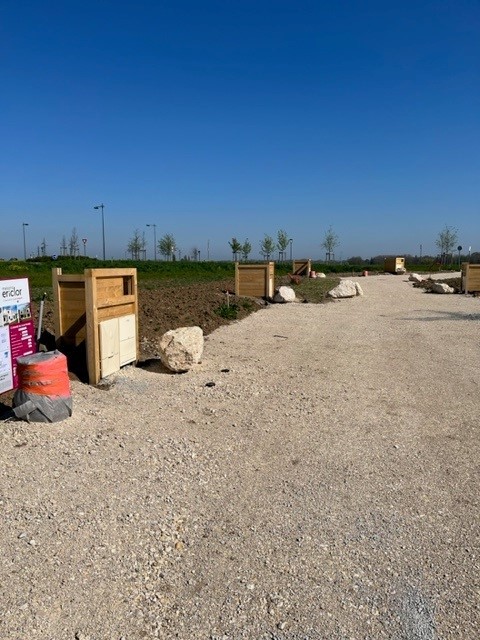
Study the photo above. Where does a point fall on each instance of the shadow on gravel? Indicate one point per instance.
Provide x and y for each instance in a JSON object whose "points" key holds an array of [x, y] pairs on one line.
{"points": [[155, 365], [447, 315]]}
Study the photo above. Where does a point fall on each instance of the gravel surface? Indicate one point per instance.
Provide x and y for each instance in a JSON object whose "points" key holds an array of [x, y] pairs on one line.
{"points": [[324, 487]]}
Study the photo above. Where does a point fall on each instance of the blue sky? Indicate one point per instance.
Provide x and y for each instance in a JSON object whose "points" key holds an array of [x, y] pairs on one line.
{"points": [[214, 119]]}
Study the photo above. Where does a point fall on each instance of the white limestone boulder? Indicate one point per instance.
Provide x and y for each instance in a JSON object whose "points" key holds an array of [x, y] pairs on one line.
{"points": [[441, 287], [414, 277], [284, 294], [346, 289], [181, 348], [320, 275]]}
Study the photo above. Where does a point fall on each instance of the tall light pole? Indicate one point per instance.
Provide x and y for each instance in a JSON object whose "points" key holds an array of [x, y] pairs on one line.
{"points": [[84, 240], [24, 224], [290, 242], [154, 240], [101, 206]]}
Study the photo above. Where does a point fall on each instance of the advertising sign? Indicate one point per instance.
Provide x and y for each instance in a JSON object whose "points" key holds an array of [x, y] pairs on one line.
{"points": [[17, 333]]}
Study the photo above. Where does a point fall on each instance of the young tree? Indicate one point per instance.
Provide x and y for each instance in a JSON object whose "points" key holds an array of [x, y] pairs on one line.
{"points": [[267, 246], [63, 246], [167, 246], [43, 248], [236, 247], [282, 243], [446, 241], [135, 245], [196, 254], [246, 249], [329, 243], [73, 244]]}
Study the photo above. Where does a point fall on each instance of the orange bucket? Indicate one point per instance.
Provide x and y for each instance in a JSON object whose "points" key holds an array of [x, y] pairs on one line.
{"points": [[44, 374]]}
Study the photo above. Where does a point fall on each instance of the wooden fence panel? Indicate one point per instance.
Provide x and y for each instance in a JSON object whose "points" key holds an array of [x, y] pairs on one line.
{"points": [[83, 301], [470, 277], [256, 280]]}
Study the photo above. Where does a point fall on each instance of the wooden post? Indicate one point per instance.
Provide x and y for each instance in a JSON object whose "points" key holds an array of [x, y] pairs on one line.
{"points": [[57, 318]]}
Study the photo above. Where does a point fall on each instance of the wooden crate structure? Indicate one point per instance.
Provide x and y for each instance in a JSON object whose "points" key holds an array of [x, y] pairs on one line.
{"points": [[97, 311], [394, 265], [470, 277], [302, 267], [256, 280]]}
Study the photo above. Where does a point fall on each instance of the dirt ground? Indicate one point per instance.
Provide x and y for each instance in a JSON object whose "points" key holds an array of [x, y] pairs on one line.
{"points": [[164, 307]]}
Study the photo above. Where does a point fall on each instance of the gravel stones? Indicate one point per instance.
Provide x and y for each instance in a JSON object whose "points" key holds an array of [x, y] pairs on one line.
{"points": [[334, 472]]}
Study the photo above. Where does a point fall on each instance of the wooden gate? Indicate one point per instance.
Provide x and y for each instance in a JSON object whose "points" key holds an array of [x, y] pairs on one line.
{"points": [[302, 267]]}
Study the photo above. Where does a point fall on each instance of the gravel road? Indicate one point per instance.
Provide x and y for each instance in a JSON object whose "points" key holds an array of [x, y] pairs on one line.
{"points": [[324, 487]]}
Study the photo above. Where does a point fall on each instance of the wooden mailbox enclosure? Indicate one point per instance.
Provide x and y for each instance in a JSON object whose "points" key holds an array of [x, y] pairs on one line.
{"points": [[256, 280], [302, 267], [84, 304], [470, 277]]}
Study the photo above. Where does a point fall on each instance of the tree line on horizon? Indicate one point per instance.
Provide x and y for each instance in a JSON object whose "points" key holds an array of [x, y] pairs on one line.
{"points": [[446, 242]]}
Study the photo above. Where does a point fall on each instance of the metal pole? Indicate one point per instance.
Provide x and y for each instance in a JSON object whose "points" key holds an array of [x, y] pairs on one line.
{"points": [[103, 233], [291, 242], [24, 224], [101, 206]]}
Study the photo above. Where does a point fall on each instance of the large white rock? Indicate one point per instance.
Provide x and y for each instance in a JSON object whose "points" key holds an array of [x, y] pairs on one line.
{"points": [[414, 277], [441, 287], [359, 289], [181, 348], [346, 289], [284, 294], [321, 275]]}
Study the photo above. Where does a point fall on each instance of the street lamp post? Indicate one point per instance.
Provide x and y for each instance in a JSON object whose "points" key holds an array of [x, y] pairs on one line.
{"points": [[101, 206], [291, 242], [84, 240], [24, 224], [154, 240]]}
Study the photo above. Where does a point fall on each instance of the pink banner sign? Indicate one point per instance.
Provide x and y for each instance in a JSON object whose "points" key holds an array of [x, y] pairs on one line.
{"points": [[17, 333]]}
